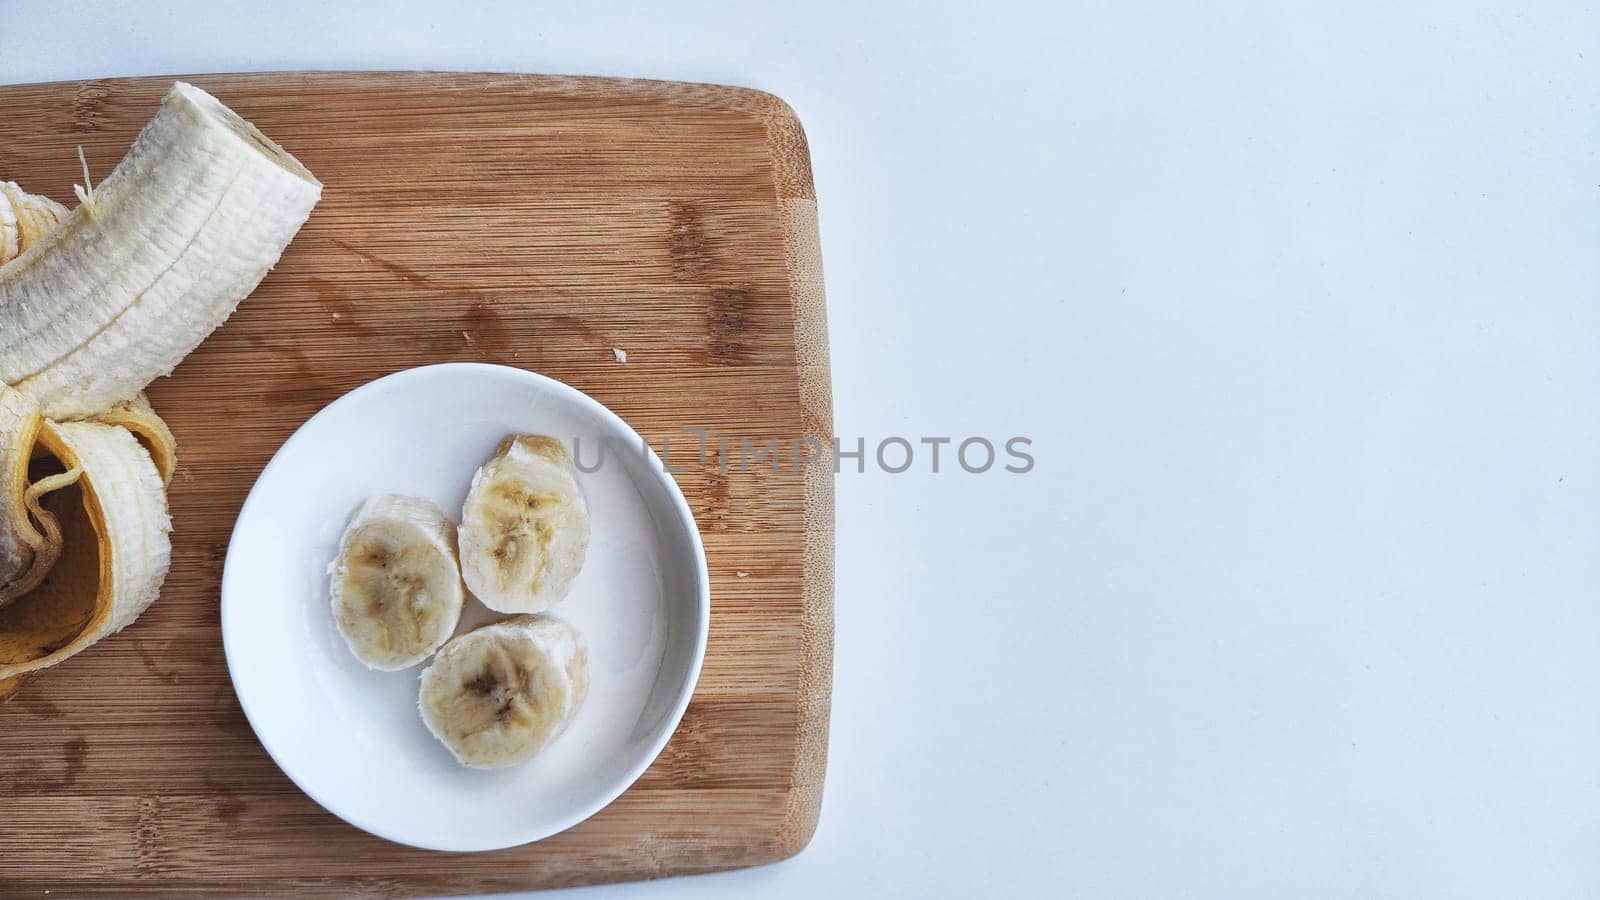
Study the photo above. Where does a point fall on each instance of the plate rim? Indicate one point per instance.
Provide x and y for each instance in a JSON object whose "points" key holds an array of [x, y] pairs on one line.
{"points": [[680, 703]]}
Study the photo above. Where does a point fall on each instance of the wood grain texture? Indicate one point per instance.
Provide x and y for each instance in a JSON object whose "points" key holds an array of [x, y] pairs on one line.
{"points": [[527, 220]]}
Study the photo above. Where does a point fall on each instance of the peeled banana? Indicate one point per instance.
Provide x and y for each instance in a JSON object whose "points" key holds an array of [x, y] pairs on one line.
{"points": [[524, 527], [156, 258], [499, 694], [94, 304], [396, 585]]}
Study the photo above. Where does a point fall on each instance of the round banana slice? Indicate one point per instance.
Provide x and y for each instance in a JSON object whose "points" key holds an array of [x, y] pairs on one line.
{"points": [[525, 526], [498, 695], [396, 585]]}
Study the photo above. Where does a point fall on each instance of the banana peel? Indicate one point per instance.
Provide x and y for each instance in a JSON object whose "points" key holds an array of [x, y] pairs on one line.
{"points": [[139, 417], [30, 537], [24, 219], [112, 546]]}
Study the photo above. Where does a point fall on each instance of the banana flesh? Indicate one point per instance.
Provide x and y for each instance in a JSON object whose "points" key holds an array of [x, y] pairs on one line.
{"points": [[524, 527], [163, 250], [396, 584], [499, 694]]}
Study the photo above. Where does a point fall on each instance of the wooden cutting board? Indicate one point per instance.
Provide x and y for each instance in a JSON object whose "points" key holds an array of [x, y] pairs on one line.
{"points": [[526, 220]]}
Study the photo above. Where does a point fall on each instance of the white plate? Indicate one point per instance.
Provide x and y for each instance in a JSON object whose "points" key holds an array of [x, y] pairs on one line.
{"points": [[351, 738]]}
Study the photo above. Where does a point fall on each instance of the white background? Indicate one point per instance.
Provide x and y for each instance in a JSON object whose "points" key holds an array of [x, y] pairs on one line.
{"points": [[1298, 304]]}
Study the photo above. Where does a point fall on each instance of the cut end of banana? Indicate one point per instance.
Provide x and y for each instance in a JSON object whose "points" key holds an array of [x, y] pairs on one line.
{"points": [[396, 585], [498, 695], [524, 527], [182, 93]]}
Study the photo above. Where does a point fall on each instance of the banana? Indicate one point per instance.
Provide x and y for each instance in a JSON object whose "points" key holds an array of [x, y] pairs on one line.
{"points": [[114, 547], [498, 695], [94, 304], [153, 260], [525, 526], [396, 585]]}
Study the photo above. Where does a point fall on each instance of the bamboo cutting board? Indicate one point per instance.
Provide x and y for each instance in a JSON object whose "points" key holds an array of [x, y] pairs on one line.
{"points": [[532, 221]]}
